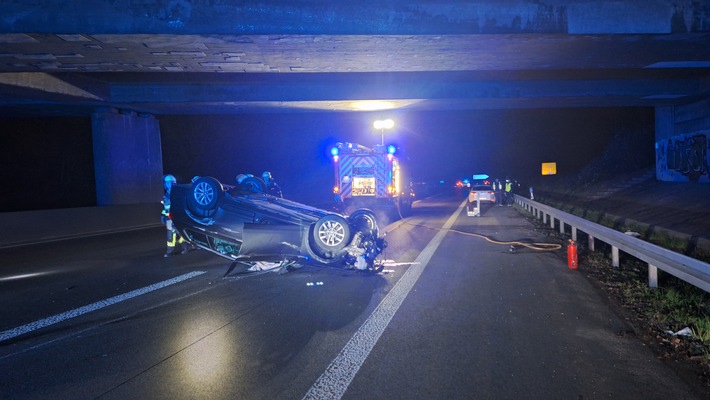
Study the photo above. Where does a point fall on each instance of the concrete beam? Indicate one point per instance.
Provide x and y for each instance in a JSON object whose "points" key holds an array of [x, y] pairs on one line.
{"points": [[400, 86], [348, 17], [50, 87]]}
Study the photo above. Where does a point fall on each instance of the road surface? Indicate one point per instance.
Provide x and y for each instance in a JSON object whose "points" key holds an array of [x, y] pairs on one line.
{"points": [[452, 316]]}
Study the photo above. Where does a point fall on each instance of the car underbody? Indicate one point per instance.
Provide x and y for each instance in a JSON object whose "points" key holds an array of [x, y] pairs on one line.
{"points": [[246, 225]]}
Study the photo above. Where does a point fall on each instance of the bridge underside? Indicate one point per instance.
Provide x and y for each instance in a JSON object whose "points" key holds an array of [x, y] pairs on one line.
{"points": [[198, 57]]}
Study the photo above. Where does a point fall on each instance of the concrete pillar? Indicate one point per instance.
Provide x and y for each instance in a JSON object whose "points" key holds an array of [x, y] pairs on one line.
{"points": [[128, 163]]}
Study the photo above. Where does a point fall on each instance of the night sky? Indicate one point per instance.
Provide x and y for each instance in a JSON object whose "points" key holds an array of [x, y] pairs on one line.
{"points": [[48, 163]]}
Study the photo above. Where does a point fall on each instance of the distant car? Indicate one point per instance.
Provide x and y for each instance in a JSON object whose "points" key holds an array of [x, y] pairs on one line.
{"points": [[484, 193], [479, 193], [243, 223]]}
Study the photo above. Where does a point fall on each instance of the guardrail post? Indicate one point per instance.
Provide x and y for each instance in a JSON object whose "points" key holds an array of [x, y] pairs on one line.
{"points": [[590, 243], [552, 222], [652, 276], [574, 233], [562, 227], [615, 256], [544, 218]]}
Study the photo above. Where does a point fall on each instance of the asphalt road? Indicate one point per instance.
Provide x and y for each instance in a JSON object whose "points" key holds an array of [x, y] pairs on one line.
{"points": [[453, 316]]}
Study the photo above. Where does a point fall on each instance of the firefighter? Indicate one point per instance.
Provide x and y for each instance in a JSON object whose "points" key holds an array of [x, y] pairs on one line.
{"points": [[174, 237], [508, 193], [271, 187], [498, 189]]}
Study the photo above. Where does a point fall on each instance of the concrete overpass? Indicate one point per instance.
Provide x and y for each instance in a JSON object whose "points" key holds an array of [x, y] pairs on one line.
{"points": [[124, 62]]}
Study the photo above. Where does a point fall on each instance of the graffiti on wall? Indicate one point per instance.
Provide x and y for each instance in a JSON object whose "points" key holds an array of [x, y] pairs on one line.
{"points": [[683, 158]]}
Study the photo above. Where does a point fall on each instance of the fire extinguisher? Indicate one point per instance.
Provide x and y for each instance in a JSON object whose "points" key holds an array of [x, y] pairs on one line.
{"points": [[572, 254]]}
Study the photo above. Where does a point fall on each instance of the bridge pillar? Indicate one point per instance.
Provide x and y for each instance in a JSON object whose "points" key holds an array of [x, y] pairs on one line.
{"points": [[128, 163], [683, 142]]}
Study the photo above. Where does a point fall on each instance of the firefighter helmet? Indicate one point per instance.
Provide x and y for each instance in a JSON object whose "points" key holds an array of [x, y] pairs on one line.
{"points": [[168, 181]]}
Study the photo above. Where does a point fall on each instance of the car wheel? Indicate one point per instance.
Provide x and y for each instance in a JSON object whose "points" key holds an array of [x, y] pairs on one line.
{"points": [[329, 235], [253, 184], [364, 221], [204, 196]]}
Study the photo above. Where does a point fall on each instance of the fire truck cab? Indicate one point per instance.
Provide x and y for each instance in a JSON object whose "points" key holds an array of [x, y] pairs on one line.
{"points": [[371, 178]]}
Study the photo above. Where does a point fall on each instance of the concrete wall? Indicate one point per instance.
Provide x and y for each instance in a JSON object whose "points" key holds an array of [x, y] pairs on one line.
{"points": [[30, 227], [683, 143]]}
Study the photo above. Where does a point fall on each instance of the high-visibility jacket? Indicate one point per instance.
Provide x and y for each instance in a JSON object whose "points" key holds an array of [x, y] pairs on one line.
{"points": [[508, 187]]}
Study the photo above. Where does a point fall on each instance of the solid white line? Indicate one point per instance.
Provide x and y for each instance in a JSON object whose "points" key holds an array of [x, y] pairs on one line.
{"points": [[333, 383], [32, 326]]}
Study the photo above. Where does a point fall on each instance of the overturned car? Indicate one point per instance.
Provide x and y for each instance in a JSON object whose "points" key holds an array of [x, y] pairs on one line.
{"points": [[244, 223]]}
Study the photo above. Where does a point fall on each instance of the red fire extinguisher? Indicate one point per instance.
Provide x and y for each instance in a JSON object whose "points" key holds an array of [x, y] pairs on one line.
{"points": [[572, 254]]}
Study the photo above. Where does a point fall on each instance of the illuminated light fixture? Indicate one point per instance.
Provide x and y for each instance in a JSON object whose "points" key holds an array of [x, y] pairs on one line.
{"points": [[334, 151], [391, 149], [383, 124], [336, 189]]}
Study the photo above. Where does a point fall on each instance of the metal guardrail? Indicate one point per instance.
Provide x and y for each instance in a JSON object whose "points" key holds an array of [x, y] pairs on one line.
{"points": [[686, 268]]}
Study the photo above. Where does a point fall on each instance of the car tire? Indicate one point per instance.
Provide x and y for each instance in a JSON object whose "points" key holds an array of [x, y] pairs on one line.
{"points": [[365, 221], [204, 196], [329, 235], [253, 184]]}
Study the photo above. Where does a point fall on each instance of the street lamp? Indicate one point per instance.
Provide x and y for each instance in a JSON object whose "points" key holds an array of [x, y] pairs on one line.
{"points": [[383, 124]]}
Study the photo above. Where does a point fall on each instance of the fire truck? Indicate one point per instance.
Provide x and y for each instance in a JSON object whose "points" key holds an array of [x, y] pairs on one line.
{"points": [[371, 178]]}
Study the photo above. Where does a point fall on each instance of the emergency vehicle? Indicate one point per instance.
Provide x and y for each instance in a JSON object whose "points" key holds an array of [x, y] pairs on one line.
{"points": [[371, 178]]}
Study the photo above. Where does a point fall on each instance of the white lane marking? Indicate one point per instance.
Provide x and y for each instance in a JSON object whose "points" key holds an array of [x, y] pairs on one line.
{"points": [[32, 326], [333, 383], [398, 264], [24, 276]]}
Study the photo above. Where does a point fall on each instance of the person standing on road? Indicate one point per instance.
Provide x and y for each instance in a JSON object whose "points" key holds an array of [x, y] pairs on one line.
{"points": [[498, 189], [508, 193], [174, 237]]}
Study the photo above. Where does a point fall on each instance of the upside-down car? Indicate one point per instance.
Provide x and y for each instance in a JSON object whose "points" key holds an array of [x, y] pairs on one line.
{"points": [[243, 223]]}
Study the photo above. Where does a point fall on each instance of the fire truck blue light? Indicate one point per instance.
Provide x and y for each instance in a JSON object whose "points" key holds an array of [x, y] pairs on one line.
{"points": [[334, 151], [391, 149]]}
